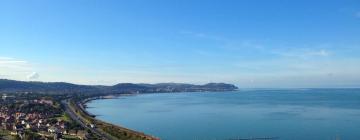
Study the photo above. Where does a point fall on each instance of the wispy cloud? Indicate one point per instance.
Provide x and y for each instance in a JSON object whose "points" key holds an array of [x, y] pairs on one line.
{"points": [[15, 68], [3, 57], [203, 35], [318, 53], [241, 45], [12, 63], [265, 46], [9, 60], [283, 50], [303, 53]]}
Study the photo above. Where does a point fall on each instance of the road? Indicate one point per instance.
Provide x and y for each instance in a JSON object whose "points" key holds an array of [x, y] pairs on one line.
{"points": [[79, 120]]}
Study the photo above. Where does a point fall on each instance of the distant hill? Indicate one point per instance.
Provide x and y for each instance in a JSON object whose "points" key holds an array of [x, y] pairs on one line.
{"points": [[12, 86]]}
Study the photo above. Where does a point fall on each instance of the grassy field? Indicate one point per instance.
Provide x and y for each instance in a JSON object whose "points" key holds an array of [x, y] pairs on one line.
{"points": [[65, 117], [67, 137]]}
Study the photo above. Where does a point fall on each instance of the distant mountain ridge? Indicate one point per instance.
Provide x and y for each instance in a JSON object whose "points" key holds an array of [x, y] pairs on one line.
{"points": [[13, 86]]}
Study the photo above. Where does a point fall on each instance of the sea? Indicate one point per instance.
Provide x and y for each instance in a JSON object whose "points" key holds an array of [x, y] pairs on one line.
{"points": [[248, 114]]}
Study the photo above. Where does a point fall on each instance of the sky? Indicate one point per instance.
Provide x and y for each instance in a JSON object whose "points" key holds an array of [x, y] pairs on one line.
{"points": [[250, 43]]}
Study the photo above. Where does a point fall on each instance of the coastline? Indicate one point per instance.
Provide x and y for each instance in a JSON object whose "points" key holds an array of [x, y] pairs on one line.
{"points": [[81, 104]]}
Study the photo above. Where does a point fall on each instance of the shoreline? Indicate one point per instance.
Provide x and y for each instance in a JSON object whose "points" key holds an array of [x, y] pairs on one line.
{"points": [[82, 106], [110, 96], [92, 118]]}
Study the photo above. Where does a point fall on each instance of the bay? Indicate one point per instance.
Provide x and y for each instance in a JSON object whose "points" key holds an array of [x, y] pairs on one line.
{"points": [[291, 114]]}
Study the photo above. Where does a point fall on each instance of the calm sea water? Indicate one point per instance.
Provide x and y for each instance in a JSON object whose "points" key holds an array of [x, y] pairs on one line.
{"points": [[310, 114]]}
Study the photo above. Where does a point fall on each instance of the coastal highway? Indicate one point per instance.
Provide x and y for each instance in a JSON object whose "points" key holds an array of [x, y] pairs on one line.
{"points": [[79, 120]]}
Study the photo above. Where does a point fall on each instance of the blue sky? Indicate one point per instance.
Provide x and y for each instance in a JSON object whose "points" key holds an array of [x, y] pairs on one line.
{"points": [[251, 43]]}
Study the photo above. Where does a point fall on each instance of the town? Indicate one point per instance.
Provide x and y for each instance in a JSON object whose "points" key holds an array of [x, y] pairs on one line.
{"points": [[41, 118]]}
